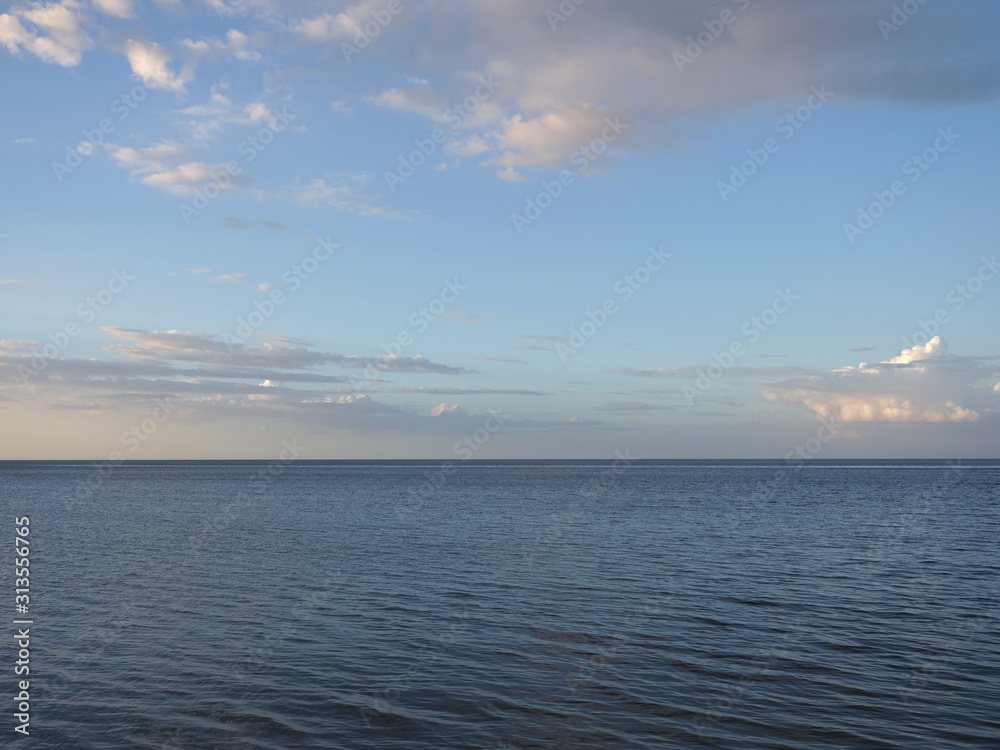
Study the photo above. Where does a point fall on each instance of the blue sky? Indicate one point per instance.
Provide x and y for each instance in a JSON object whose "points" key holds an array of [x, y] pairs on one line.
{"points": [[123, 115]]}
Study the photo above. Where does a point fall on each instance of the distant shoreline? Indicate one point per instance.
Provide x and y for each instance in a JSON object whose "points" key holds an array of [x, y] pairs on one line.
{"points": [[744, 462]]}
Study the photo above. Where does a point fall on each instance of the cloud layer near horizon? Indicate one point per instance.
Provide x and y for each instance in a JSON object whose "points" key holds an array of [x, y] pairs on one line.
{"points": [[204, 377], [921, 384]]}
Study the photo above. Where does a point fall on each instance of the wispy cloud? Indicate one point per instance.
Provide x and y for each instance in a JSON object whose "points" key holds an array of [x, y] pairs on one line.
{"points": [[505, 359], [345, 193]]}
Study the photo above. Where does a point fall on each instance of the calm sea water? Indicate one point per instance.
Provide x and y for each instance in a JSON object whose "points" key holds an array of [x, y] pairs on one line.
{"points": [[553, 605]]}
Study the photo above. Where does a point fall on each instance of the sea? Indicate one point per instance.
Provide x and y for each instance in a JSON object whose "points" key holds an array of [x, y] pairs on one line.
{"points": [[421, 605]]}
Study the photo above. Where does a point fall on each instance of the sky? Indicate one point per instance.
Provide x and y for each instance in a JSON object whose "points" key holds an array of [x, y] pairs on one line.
{"points": [[499, 229]]}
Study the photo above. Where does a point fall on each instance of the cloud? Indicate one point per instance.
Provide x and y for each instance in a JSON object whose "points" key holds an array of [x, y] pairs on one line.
{"points": [[205, 121], [282, 340], [171, 346], [468, 391], [345, 193], [18, 346], [236, 45], [505, 359], [116, 8], [24, 141], [418, 97], [447, 410], [230, 278], [549, 139], [50, 31], [165, 166], [234, 222], [631, 407], [12, 281], [691, 372], [921, 384], [558, 85], [336, 27], [151, 63], [198, 271], [207, 379]]}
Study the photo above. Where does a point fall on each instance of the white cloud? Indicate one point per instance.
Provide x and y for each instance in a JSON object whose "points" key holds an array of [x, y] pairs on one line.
{"points": [[204, 121], [418, 97], [230, 278], [164, 166], [51, 31], [117, 8], [151, 63], [335, 27], [12, 281], [18, 346], [921, 384], [936, 347], [446, 410], [549, 139]]}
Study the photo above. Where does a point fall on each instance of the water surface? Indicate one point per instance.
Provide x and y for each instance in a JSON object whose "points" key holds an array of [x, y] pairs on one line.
{"points": [[519, 605]]}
